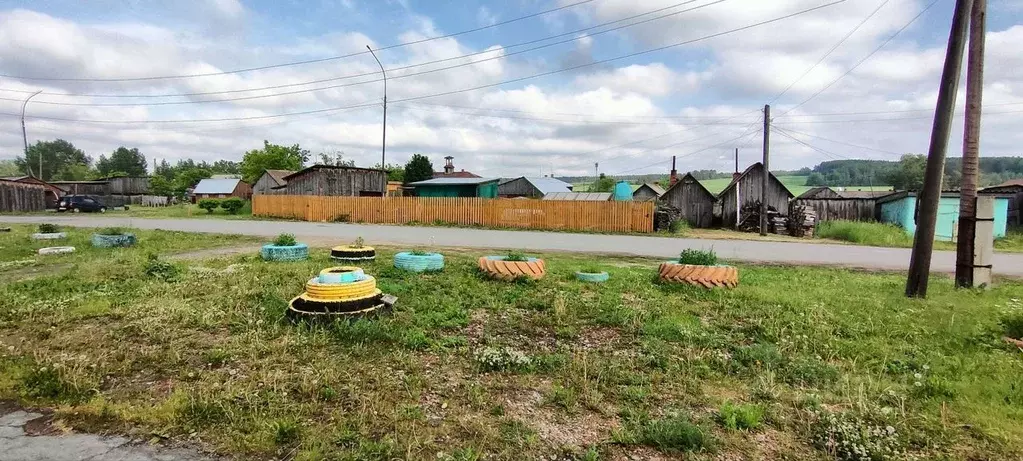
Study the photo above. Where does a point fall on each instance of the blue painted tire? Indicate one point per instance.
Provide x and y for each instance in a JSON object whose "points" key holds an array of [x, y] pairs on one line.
{"points": [[341, 274], [419, 263], [271, 252], [599, 277], [112, 241]]}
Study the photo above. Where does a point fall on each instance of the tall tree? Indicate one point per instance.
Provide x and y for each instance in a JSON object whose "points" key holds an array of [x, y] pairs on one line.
{"points": [[272, 157], [335, 158], [418, 168], [56, 155], [131, 162], [9, 168], [394, 172], [76, 172], [225, 167], [603, 184], [910, 173], [164, 170]]}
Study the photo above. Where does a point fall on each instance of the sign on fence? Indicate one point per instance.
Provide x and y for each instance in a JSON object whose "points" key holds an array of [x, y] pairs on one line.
{"points": [[518, 213]]}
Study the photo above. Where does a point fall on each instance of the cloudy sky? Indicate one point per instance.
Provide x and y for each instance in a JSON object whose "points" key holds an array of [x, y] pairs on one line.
{"points": [[506, 87]]}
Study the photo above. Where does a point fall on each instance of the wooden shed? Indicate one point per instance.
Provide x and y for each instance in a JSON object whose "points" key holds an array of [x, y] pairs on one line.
{"points": [[1014, 189], [221, 188], [126, 185], [98, 187], [647, 192], [270, 180], [694, 201], [20, 197], [335, 181], [832, 205], [746, 190], [531, 187], [53, 193]]}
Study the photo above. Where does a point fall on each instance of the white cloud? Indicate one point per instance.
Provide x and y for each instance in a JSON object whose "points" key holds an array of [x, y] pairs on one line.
{"points": [[485, 17]]}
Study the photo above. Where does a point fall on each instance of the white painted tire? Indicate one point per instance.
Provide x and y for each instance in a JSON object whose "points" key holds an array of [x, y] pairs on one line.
{"points": [[49, 236], [56, 250]]}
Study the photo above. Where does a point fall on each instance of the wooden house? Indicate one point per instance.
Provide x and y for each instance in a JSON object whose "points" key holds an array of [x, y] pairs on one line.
{"points": [[747, 189], [335, 181], [531, 187], [837, 204], [270, 180], [220, 189], [53, 193], [1013, 189], [647, 192], [694, 201], [456, 187]]}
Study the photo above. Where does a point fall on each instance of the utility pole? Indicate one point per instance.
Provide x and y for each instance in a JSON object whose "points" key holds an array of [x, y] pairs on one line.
{"points": [[383, 142], [965, 248], [24, 137], [923, 242], [596, 171], [767, 169], [736, 159]]}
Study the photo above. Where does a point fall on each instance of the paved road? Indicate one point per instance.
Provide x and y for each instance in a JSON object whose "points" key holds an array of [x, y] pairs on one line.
{"points": [[1006, 264]]}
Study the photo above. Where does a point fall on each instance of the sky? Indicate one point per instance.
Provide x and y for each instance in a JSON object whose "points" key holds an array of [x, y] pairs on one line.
{"points": [[508, 88]]}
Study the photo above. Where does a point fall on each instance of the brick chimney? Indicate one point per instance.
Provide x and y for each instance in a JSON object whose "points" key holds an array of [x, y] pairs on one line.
{"points": [[449, 165], [674, 173]]}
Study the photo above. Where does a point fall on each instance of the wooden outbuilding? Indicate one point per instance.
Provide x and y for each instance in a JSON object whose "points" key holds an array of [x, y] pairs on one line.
{"points": [[832, 205], [456, 187], [1014, 189], [335, 181], [746, 190], [270, 180], [97, 187], [221, 188], [531, 187], [694, 201], [21, 197], [647, 192], [53, 193]]}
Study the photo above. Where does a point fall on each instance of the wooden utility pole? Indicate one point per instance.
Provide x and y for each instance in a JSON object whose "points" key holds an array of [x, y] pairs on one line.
{"points": [[767, 169], [923, 242], [736, 159], [965, 249]]}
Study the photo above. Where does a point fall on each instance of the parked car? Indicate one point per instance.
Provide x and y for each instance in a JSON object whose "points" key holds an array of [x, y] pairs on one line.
{"points": [[77, 203]]}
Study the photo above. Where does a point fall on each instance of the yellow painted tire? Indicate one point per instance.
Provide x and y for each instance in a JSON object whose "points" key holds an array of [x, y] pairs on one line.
{"points": [[340, 291], [704, 276]]}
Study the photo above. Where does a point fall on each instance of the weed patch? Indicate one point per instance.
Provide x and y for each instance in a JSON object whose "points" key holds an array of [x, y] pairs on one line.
{"points": [[741, 417]]}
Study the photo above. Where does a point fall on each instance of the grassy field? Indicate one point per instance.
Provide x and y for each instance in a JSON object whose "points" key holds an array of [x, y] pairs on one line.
{"points": [[889, 235], [792, 364]]}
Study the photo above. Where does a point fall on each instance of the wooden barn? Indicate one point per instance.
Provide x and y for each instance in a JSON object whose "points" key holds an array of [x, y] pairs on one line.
{"points": [[84, 187], [53, 193], [335, 181], [126, 185], [20, 197], [1014, 189], [845, 205], [647, 192], [531, 187], [746, 190], [221, 188], [270, 180], [693, 200]]}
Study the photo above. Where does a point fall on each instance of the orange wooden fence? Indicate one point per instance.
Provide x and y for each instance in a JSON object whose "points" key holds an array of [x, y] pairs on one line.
{"points": [[529, 214]]}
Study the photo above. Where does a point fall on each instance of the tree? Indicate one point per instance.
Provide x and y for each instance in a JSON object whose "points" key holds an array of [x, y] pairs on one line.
{"points": [[160, 186], [129, 161], [816, 179], [164, 170], [209, 204], [272, 157], [418, 168], [76, 172], [335, 158], [225, 167], [188, 177], [910, 173], [603, 184], [56, 155], [9, 168], [394, 172]]}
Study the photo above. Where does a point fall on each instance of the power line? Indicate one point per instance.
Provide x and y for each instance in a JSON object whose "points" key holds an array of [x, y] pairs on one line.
{"points": [[364, 82], [540, 119], [517, 111], [528, 77], [789, 130], [865, 58], [311, 61], [893, 119], [832, 50], [737, 138], [829, 154]]}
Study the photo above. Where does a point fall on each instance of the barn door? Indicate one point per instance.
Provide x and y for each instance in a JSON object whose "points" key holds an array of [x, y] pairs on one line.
{"points": [[695, 211]]}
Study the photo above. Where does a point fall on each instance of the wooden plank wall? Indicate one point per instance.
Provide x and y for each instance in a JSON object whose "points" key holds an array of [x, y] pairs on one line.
{"points": [[527, 214], [18, 197], [842, 209]]}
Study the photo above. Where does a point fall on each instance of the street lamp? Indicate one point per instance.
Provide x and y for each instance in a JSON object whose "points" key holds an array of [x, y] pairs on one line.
{"points": [[383, 142], [24, 137]]}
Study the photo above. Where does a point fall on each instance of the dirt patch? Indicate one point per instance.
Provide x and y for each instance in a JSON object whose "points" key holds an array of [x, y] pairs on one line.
{"points": [[558, 429], [215, 253], [599, 338]]}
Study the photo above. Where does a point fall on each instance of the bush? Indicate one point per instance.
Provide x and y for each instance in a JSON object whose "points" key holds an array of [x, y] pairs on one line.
{"points": [[866, 233], [516, 256], [111, 231], [49, 228], [209, 204], [678, 226], [163, 270], [741, 417], [698, 257], [285, 240], [232, 205]]}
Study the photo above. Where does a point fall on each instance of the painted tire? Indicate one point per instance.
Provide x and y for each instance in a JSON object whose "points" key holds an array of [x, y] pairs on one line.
{"points": [[56, 250], [705, 276], [112, 241], [49, 236], [5, 229], [496, 267], [347, 253], [599, 277], [341, 274], [419, 263], [340, 291], [271, 252]]}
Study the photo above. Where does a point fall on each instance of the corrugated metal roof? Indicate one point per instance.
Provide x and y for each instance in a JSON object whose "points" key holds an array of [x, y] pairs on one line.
{"points": [[579, 196], [549, 185], [453, 181], [216, 186]]}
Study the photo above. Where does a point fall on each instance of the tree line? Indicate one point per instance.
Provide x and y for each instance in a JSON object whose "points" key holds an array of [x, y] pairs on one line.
{"points": [[908, 172]]}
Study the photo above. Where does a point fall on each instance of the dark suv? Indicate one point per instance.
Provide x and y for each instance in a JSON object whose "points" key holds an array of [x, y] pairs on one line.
{"points": [[78, 203]]}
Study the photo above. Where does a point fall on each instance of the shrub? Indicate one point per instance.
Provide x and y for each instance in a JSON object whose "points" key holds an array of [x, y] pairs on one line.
{"points": [[516, 256], [678, 226], [49, 228], [741, 417], [232, 205], [501, 358], [855, 437], [698, 257], [285, 240], [209, 204], [866, 233], [161, 269], [111, 231], [1012, 325]]}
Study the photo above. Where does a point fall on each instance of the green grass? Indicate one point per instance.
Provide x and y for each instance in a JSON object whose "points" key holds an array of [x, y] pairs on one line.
{"points": [[865, 233], [469, 368], [184, 210]]}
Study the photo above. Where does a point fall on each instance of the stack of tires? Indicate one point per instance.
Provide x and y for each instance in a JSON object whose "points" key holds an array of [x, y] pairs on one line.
{"points": [[337, 293]]}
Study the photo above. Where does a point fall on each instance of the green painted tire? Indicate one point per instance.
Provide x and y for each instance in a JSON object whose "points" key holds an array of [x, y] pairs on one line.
{"points": [[419, 263], [271, 252], [599, 277], [113, 241]]}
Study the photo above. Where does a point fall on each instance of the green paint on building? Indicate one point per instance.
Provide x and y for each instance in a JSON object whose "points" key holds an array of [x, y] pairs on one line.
{"points": [[456, 187]]}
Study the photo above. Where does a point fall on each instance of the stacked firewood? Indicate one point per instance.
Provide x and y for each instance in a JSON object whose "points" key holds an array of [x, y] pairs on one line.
{"points": [[664, 215], [803, 220], [777, 223]]}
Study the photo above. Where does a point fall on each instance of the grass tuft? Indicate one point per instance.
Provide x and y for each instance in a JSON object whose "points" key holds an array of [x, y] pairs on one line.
{"points": [[285, 240], [670, 434], [49, 228], [741, 417], [516, 256], [865, 233], [698, 257]]}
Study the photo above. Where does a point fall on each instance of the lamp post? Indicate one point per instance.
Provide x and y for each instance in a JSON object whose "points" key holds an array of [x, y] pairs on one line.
{"points": [[24, 137], [383, 142]]}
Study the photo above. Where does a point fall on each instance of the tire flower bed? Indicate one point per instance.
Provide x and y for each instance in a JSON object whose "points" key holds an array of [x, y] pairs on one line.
{"points": [[592, 277], [419, 262], [56, 250], [49, 232], [354, 252], [337, 293], [284, 248], [700, 268], [113, 238], [512, 267]]}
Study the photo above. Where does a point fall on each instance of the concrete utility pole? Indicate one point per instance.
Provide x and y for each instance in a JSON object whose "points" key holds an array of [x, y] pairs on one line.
{"points": [[383, 142], [923, 242], [767, 169], [24, 137], [966, 248]]}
